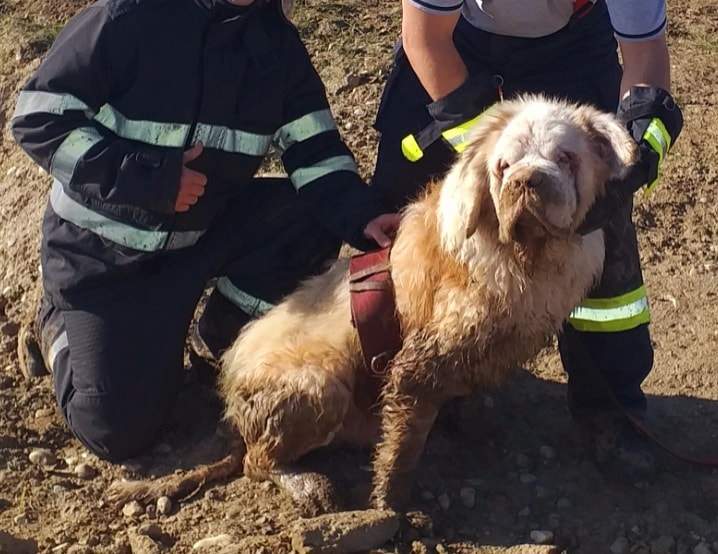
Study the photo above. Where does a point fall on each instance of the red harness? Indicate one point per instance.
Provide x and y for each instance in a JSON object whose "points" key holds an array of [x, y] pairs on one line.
{"points": [[374, 315]]}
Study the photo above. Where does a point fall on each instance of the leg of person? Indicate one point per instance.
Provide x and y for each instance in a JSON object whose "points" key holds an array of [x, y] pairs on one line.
{"points": [[117, 361], [278, 244]]}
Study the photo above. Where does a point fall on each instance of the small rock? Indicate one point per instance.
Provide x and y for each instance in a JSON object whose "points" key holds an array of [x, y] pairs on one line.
{"points": [[133, 509], [542, 492], [213, 494], [151, 511], [702, 548], [542, 537], [44, 412], [563, 503], [42, 457], [20, 519], [151, 530], [358, 531], [427, 495], [527, 478], [523, 461], [9, 329], [60, 548], [85, 471], [663, 545], [444, 501], [547, 452], [164, 506], [59, 489], [468, 497], [525, 512]]}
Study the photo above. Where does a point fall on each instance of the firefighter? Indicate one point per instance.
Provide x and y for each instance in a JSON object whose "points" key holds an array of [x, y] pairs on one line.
{"points": [[458, 57], [153, 118]]}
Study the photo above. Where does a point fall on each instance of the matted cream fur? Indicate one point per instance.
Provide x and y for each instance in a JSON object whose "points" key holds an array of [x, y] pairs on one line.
{"points": [[486, 265]]}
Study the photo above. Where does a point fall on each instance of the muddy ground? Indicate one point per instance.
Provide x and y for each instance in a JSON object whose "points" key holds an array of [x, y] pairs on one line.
{"points": [[513, 450]]}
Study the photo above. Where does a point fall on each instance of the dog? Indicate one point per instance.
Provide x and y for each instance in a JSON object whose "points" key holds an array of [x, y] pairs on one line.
{"points": [[486, 265]]}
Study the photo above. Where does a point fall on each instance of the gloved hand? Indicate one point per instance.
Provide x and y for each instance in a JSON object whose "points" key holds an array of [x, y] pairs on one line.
{"points": [[454, 115], [654, 121]]}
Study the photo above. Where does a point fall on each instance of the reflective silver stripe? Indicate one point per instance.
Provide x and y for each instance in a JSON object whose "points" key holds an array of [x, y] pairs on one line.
{"points": [[306, 127], [37, 101], [149, 132], [249, 304], [58, 346], [232, 140], [116, 231], [611, 314], [72, 149], [305, 175]]}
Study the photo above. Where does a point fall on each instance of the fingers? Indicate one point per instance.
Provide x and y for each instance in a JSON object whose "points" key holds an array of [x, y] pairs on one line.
{"points": [[381, 229], [192, 187], [193, 153]]}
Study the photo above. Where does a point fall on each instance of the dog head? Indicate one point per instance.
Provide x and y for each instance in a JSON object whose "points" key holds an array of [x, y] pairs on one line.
{"points": [[534, 167]]}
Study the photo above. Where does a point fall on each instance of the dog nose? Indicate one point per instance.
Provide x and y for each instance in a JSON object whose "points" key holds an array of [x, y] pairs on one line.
{"points": [[529, 177]]}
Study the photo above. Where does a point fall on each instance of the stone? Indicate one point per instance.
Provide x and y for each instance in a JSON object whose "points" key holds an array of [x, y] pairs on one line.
{"points": [[524, 512], [42, 457], [44, 412], [212, 542], [664, 544], [151, 511], [151, 530], [702, 548], [547, 452], [427, 495], [444, 501], [344, 532], [85, 471], [164, 506], [527, 478], [468, 497], [9, 329], [133, 509], [541, 536], [20, 519]]}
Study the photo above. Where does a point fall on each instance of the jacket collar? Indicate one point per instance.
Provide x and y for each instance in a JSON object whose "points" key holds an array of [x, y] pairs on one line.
{"points": [[222, 9]]}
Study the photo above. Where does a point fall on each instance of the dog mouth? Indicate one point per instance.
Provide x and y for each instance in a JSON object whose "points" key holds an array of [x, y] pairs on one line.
{"points": [[523, 216]]}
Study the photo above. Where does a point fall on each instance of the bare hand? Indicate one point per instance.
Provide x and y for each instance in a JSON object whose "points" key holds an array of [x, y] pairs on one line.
{"points": [[382, 229], [192, 183]]}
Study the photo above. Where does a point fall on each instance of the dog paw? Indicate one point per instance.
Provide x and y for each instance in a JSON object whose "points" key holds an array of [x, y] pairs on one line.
{"points": [[313, 493]]}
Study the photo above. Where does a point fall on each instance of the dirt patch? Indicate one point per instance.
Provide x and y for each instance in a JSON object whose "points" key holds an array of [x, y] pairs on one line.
{"points": [[498, 467]]}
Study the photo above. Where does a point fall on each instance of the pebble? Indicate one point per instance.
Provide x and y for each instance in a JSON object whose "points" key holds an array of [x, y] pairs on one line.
{"points": [[85, 471], [59, 489], [44, 412], [151, 511], [133, 509], [547, 452], [468, 497], [164, 506], [444, 501], [663, 545], [542, 492], [542, 537], [209, 542], [563, 503], [358, 531], [42, 457], [702, 548], [151, 530], [527, 478], [9, 329], [525, 512], [20, 519], [523, 461], [427, 495]]}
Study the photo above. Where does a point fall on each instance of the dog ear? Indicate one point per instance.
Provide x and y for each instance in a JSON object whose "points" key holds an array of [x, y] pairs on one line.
{"points": [[479, 179], [609, 139]]}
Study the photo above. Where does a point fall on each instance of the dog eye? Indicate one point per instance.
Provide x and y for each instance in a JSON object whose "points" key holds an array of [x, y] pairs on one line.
{"points": [[568, 159]]}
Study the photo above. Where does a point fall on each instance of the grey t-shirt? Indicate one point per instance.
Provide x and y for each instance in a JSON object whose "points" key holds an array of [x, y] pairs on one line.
{"points": [[631, 19]]}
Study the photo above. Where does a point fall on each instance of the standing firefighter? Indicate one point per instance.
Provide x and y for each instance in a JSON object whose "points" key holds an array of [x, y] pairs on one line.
{"points": [[459, 57], [153, 117]]}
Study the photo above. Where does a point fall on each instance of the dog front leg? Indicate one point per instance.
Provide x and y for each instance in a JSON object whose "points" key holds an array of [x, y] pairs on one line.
{"points": [[407, 417]]}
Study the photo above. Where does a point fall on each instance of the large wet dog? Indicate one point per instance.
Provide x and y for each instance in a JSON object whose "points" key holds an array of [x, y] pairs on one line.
{"points": [[486, 264]]}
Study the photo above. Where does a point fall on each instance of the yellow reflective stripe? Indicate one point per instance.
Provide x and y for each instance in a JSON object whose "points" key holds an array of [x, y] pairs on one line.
{"points": [[304, 128], [116, 231], [612, 314], [251, 305], [658, 137], [458, 137], [411, 149], [173, 135], [305, 175], [71, 150], [232, 140], [38, 101]]}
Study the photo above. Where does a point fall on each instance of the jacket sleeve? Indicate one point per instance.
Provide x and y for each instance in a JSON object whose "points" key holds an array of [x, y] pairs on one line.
{"points": [[56, 120], [319, 164]]}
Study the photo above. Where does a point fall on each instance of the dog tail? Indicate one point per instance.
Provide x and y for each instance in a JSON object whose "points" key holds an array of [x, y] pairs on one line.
{"points": [[177, 487]]}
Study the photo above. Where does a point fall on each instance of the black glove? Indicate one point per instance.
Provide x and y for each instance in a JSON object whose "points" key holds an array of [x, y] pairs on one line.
{"points": [[655, 121], [452, 111]]}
